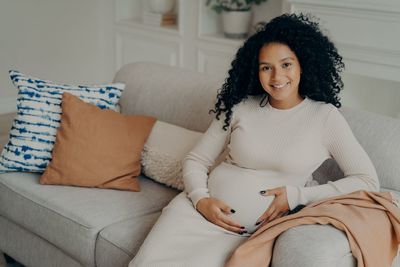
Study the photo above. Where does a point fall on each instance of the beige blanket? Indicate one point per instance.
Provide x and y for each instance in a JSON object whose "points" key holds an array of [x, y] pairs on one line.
{"points": [[370, 220]]}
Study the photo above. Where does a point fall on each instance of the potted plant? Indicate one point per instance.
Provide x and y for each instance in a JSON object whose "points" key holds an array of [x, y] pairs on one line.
{"points": [[236, 15], [162, 6]]}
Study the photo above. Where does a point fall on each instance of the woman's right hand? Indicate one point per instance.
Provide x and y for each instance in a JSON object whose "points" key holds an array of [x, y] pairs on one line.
{"points": [[217, 212]]}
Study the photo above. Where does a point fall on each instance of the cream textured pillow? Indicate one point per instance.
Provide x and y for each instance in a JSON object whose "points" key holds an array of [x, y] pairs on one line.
{"points": [[164, 151]]}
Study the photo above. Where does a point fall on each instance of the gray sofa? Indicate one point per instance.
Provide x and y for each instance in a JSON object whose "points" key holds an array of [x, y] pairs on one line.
{"points": [[51, 226]]}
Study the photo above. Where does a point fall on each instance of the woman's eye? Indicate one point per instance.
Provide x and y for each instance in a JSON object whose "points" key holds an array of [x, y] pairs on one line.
{"points": [[286, 65], [265, 68]]}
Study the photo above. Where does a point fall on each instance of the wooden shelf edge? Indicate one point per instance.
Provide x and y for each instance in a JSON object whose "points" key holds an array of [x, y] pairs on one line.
{"points": [[137, 23]]}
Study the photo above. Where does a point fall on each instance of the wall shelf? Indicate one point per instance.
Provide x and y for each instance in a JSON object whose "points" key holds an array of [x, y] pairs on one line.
{"points": [[138, 23], [196, 42], [219, 38], [356, 28]]}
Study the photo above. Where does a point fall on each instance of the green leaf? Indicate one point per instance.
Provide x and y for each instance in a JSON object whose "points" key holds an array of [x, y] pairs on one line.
{"points": [[232, 5], [218, 9]]}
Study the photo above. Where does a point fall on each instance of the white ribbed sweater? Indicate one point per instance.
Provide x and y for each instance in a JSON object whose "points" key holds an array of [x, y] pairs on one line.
{"points": [[284, 145]]}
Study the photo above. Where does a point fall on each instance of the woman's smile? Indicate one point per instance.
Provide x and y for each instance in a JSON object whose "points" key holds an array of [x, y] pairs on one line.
{"points": [[280, 86]]}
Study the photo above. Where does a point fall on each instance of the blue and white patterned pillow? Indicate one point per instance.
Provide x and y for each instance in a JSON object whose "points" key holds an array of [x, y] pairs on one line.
{"points": [[34, 129]]}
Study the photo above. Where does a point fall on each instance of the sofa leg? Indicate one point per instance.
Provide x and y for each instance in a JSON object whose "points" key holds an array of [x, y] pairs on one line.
{"points": [[3, 262]]}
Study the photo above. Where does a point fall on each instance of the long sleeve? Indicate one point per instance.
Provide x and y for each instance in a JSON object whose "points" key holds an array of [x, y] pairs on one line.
{"points": [[359, 172], [197, 163]]}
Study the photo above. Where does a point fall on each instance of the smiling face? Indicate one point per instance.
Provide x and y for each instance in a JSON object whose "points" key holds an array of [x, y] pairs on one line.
{"points": [[279, 73]]}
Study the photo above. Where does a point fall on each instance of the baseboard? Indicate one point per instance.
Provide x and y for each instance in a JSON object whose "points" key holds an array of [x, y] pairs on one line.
{"points": [[8, 105]]}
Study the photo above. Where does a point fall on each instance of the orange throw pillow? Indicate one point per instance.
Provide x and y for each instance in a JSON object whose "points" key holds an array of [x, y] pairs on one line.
{"points": [[97, 148]]}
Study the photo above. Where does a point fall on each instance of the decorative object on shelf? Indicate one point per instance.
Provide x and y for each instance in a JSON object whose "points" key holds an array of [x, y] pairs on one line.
{"points": [[162, 6], [157, 19], [236, 15], [236, 23]]}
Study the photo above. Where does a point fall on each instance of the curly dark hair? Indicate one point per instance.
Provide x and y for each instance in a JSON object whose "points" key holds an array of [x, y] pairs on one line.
{"points": [[318, 57]]}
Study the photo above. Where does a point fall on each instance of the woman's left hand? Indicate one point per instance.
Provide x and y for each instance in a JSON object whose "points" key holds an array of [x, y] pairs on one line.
{"points": [[278, 207]]}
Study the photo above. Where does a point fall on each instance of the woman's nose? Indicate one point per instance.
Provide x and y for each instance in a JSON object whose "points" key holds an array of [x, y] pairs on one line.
{"points": [[276, 73]]}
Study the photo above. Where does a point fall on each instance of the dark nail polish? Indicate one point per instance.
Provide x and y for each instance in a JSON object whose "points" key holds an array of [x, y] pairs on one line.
{"points": [[240, 233], [242, 227], [244, 232], [233, 211], [262, 192], [257, 223]]}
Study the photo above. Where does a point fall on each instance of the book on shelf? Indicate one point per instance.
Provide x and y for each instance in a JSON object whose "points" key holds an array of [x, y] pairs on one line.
{"points": [[156, 19]]}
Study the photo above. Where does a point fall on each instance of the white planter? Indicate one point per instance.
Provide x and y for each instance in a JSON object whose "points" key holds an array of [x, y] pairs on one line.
{"points": [[161, 6], [236, 24]]}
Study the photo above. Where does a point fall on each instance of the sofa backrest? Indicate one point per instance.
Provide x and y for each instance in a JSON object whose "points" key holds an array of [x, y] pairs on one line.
{"points": [[184, 97], [171, 94], [380, 137]]}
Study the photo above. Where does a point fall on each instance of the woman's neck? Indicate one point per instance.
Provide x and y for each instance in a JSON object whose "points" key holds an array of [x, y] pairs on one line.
{"points": [[286, 104]]}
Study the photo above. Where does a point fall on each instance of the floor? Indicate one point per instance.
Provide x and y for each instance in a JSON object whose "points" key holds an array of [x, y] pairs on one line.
{"points": [[5, 126]]}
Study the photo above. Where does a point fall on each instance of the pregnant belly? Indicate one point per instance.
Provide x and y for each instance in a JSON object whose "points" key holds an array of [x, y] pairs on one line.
{"points": [[240, 189]]}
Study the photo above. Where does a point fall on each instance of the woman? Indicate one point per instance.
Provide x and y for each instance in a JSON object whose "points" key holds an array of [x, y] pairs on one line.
{"points": [[277, 116]]}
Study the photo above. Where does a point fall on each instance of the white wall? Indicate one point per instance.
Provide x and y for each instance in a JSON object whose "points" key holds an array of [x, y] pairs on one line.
{"points": [[72, 41], [375, 95], [66, 41], [360, 92], [365, 33], [267, 11]]}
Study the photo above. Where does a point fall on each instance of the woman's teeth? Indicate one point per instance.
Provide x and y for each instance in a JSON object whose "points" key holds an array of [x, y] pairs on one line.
{"points": [[279, 86]]}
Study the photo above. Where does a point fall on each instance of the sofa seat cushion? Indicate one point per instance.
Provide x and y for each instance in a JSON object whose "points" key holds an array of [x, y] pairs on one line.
{"points": [[313, 245], [117, 244], [71, 217]]}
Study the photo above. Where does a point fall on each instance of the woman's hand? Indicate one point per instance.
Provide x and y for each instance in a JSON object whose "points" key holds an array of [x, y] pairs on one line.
{"points": [[278, 207], [217, 212]]}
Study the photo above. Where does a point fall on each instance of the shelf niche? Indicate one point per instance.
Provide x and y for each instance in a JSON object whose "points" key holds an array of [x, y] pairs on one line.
{"points": [[210, 23], [130, 13]]}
